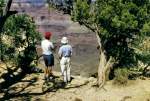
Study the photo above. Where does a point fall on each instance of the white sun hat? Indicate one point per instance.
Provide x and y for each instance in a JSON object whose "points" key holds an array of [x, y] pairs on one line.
{"points": [[64, 40]]}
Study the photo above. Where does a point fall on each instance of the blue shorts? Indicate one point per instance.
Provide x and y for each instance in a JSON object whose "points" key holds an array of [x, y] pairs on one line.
{"points": [[49, 60]]}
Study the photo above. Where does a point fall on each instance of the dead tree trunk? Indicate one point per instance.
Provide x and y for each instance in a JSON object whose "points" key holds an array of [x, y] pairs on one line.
{"points": [[104, 64]]}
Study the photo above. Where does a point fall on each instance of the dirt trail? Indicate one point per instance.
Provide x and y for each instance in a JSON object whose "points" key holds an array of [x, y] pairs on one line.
{"points": [[80, 89]]}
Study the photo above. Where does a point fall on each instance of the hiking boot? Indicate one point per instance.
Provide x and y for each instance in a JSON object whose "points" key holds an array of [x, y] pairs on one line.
{"points": [[51, 74], [46, 79], [51, 78], [64, 84]]}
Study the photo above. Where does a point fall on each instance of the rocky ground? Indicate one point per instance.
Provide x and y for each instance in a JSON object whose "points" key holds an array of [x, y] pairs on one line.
{"points": [[84, 62], [32, 88]]}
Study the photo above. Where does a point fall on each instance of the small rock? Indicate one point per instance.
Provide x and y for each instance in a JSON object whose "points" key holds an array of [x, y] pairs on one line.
{"points": [[78, 99], [79, 81], [92, 79], [1, 95], [72, 91], [148, 68]]}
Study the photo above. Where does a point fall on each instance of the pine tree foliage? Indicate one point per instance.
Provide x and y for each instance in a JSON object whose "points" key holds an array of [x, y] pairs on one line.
{"points": [[1, 7], [19, 40], [63, 5], [121, 25]]}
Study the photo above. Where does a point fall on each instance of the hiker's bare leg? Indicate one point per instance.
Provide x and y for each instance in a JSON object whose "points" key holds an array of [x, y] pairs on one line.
{"points": [[46, 72], [49, 70]]}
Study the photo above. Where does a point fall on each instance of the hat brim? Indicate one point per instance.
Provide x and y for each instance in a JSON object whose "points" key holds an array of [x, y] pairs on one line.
{"points": [[64, 41]]}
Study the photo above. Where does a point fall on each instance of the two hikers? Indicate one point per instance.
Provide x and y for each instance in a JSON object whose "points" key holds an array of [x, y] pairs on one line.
{"points": [[65, 53]]}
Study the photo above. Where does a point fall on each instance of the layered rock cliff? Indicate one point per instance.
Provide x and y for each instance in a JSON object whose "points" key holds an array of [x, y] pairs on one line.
{"points": [[85, 54]]}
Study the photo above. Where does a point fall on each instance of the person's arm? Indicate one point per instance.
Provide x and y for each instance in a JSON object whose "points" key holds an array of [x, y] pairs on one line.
{"points": [[71, 50], [60, 53], [52, 46]]}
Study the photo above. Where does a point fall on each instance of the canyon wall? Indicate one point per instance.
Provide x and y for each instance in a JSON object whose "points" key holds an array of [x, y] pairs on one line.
{"points": [[85, 55]]}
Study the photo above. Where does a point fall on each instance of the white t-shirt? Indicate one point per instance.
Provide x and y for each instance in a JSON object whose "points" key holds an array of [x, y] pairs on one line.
{"points": [[47, 47]]}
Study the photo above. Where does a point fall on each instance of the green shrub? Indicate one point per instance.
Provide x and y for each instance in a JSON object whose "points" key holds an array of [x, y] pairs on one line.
{"points": [[19, 42], [121, 76]]}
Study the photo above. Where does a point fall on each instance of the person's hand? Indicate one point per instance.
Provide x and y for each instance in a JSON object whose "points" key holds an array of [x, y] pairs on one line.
{"points": [[55, 47], [60, 58]]}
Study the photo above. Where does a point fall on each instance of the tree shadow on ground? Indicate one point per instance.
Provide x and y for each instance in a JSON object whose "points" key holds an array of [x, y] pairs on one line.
{"points": [[11, 92], [10, 78], [52, 86]]}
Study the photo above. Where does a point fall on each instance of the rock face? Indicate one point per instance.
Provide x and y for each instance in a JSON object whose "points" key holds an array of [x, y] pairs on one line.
{"points": [[85, 55]]}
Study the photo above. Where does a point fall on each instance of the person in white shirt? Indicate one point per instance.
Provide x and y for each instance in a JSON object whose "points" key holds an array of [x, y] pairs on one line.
{"points": [[65, 53], [47, 47]]}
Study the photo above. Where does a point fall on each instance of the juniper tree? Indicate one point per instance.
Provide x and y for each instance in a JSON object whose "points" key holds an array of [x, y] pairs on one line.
{"points": [[20, 32], [18, 37], [120, 25]]}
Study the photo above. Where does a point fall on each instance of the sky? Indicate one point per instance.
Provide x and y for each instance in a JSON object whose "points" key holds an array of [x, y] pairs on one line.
{"points": [[39, 1], [34, 2]]}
